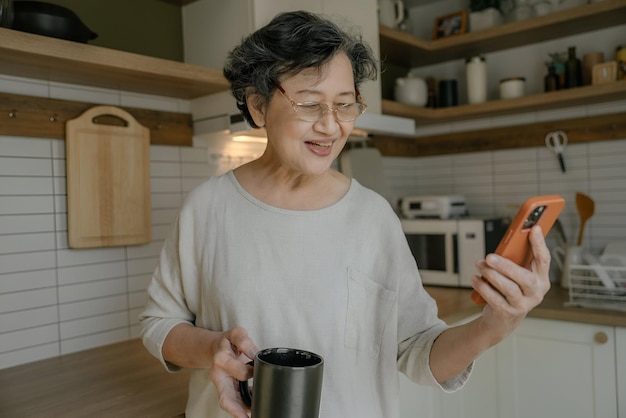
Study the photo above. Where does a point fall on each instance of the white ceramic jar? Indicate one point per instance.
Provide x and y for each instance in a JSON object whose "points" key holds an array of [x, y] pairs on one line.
{"points": [[511, 88], [411, 90], [476, 72]]}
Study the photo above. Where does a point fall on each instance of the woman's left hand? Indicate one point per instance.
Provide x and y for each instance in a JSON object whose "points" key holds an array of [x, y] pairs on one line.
{"points": [[511, 291]]}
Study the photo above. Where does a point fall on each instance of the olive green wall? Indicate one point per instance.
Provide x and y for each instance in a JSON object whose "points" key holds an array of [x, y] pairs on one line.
{"points": [[148, 27]]}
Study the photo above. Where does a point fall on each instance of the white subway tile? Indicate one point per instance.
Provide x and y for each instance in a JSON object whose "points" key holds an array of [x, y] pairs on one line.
{"points": [[195, 155], [143, 251], [27, 280], [92, 325], [61, 240], [139, 283], [190, 183], [165, 200], [164, 169], [91, 272], [60, 186], [29, 354], [25, 186], [164, 153], [93, 307], [94, 340], [135, 330], [142, 266], [28, 299], [58, 149], [60, 221], [134, 319], [160, 232], [165, 185], [74, 257], [21, 205], [18, 166], [24, 147], [137, 302], [31, 318], [29, 337], [13, 224], [58, 167], [26, 243], [199, 170], [12, 263], [162, 216], [60, 203], [92, 290]]}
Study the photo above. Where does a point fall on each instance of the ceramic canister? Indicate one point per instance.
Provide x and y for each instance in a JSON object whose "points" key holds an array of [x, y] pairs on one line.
{"points": [[511, 88], [411, 90]]}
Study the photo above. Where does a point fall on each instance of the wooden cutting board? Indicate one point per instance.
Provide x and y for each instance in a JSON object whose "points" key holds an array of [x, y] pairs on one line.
{"points": [[108, 179]]}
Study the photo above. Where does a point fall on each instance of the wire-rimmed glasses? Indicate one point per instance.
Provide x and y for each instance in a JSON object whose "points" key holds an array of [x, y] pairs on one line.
{"points": [[314, 111]]}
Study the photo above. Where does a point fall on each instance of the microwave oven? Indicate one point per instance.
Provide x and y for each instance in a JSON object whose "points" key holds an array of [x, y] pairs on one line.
{"points": [[446, 250]]}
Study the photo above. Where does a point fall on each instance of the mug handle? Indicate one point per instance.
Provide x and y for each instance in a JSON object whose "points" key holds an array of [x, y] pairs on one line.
{"points": [[244, 389]]}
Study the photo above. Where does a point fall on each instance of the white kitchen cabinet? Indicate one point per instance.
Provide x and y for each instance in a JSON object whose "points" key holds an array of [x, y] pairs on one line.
{"points": [[211, 28], [557, 369], [620, 350], [547, 368]]}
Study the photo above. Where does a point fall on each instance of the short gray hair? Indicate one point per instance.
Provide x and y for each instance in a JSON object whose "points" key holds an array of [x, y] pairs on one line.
{"points": [[290, 43]]}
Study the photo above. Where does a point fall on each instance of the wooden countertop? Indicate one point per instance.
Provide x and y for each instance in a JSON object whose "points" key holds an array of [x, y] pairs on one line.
{"points": [[455, 305], [124, 380], [119, 380]]}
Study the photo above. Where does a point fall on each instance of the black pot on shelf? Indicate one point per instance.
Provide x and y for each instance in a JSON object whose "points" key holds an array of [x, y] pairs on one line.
{"points": [[50, 20]]}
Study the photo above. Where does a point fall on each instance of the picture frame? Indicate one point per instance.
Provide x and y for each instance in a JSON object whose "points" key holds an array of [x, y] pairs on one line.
{"points": [[450, 25]]}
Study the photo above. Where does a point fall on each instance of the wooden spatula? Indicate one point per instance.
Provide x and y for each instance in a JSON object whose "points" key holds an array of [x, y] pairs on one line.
{"points": [[586, 207]]}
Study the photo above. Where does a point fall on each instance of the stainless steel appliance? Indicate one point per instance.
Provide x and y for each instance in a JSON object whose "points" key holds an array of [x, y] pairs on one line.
{"points": [[447, 249]]}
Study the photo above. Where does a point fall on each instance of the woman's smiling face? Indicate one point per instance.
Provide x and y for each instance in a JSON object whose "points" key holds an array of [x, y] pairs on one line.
{"points": [[309, 148]]}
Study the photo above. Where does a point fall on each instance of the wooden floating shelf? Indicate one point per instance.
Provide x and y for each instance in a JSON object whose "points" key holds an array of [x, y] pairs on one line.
{"points": [[50, 59], [561, 98], [405, 49], [588, 129]]}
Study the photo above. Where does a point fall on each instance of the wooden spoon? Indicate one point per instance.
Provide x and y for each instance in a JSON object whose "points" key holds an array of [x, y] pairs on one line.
{"points": [[586, 207]]}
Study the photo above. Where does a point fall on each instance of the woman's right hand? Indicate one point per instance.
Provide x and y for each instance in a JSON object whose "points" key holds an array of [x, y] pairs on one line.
{"points": [[230, 353], [224, 353]]}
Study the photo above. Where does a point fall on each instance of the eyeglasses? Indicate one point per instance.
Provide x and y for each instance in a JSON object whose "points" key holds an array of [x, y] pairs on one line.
{"points": [[314, 111]]}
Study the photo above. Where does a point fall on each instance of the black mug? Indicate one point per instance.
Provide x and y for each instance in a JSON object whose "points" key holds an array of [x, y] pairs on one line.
{"points": [[287, 384], [448, 94]]}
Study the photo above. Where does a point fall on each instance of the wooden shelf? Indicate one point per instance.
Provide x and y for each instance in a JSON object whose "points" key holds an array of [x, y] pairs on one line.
{"points": [[579, 130], [405, 49], [562, 98], [40, 57]]}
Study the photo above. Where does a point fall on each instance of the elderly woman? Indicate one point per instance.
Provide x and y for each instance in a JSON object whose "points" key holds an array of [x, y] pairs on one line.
{"points": [[286, 251]]}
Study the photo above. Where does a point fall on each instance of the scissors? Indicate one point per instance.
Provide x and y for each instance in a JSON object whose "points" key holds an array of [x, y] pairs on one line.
{"points": [[556, 142]]}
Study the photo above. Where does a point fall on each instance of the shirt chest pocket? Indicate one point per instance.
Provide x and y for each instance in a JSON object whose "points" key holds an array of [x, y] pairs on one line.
{"points": [[369, 308]]}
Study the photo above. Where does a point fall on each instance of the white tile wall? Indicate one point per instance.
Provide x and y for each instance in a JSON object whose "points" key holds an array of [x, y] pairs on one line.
{"points": [[495, 183], [56, 300]]}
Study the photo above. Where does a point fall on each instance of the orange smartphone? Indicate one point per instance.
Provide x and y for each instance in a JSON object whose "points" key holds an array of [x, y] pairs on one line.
{"points": [[538, 210]]}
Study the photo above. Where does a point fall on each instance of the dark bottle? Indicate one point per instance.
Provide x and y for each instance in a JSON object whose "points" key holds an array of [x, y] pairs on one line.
{"points": [[551, 81], [573, 70]]}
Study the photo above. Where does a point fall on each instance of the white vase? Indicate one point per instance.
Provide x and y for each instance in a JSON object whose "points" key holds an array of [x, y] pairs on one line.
{"points": [[484, 19]]}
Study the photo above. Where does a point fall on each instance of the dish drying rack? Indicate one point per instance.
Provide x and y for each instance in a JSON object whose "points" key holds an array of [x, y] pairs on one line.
{"points": [[597, 286]]}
